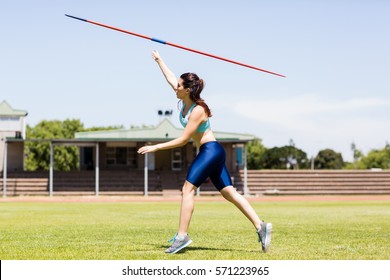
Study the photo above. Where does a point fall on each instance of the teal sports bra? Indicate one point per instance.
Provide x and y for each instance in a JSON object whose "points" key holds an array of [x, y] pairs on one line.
{"points": [[184, 120]]}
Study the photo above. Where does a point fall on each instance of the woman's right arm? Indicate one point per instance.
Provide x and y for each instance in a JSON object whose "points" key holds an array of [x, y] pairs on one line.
{"points": [[168, 74]]}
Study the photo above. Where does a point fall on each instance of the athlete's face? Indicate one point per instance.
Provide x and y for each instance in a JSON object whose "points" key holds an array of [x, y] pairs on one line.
{"points": [[181, 92]]}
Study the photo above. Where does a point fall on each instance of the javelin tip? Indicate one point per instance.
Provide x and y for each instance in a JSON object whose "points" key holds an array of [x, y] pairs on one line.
{"points": [[76, 17]]}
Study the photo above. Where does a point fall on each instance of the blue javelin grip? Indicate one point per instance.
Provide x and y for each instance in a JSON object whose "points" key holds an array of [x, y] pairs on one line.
{"points": [[159, 41]]}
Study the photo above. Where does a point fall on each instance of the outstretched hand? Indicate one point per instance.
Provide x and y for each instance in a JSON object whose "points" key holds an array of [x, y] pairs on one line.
{"points": [[147, 149]]}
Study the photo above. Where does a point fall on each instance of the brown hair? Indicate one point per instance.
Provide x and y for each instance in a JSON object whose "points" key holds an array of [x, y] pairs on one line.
{"points": [[196, 85]]}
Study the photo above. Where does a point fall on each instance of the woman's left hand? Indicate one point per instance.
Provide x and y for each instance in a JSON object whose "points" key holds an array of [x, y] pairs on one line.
{"points": [[147, 149]]}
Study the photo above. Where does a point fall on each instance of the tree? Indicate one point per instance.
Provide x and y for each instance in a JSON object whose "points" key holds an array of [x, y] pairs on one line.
{"points": [[38, 153], [357, 154], [287, 157], [255, 150], [328, 159], [65, 158], [375, 159]]}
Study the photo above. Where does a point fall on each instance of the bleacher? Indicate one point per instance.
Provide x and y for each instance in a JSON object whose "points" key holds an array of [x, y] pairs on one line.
{"points": [[260, 182], [81, 183], [318, 182], [26, 186], [110, 182]]}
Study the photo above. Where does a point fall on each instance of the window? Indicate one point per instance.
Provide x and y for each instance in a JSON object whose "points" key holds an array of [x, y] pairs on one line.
{"points": [[176, 159], [121, 156]]}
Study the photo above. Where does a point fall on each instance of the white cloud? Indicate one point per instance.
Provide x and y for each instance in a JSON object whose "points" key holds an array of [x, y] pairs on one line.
{"points": [[317, 122], [313, 114]]}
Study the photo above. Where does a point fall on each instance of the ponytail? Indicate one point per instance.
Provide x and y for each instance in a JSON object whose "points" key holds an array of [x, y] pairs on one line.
{"points": [[196, 85]]}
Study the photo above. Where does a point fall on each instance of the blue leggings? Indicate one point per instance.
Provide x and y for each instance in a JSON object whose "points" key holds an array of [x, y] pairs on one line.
{"points": [[210, 162]]}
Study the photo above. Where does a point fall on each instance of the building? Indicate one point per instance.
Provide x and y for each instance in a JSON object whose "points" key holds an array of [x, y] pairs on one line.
{"points": [[118, 148], [12, 126], [111, 158]]}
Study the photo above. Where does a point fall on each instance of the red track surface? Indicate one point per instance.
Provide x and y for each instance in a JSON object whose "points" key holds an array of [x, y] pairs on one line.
{"points": [[94, 199]]}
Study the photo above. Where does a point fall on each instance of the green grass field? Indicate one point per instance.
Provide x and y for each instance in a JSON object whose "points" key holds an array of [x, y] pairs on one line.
{"points": [[325, 230]]}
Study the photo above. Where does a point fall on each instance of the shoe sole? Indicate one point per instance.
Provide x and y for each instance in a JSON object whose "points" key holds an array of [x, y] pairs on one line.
{"points": [[181, 247], [268, 233]]}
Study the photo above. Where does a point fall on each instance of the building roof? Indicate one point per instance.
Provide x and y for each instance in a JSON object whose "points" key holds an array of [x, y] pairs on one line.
{"points": [[7, 110], [164, 131]]}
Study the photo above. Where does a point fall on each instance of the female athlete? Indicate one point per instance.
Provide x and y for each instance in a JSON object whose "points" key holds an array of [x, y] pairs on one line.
{"points": [[210, 161]]}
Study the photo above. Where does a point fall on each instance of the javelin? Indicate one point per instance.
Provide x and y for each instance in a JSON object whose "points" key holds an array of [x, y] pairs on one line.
{"points": [[175, 45]]}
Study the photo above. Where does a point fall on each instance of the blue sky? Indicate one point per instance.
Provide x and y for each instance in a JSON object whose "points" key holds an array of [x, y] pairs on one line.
{"points": [[335, 54]]}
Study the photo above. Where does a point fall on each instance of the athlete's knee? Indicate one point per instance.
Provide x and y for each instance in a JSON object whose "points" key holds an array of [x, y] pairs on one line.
{"points": [[227, 196], [229, 193], [188, 189]]}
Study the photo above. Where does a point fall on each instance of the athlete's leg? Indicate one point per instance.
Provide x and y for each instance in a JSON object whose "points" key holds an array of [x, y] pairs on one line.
{"points": [[197, 174], [264, 230], [181, 239], [187, 207], [231, 195], [222, 181]]}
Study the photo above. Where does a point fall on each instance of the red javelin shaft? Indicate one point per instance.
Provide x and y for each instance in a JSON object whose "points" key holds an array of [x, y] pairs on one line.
{"points": [[175, 45]]}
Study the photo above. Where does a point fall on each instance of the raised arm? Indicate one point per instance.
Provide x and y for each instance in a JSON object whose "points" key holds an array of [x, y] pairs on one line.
{"points": [[168, 74]]}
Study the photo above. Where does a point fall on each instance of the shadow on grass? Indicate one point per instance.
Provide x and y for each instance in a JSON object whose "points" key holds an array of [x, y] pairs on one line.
{"points": [[200, 248]]}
